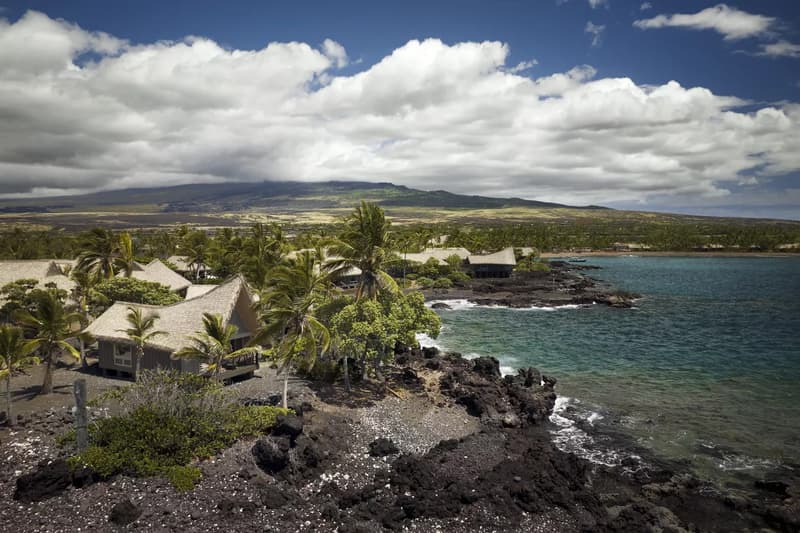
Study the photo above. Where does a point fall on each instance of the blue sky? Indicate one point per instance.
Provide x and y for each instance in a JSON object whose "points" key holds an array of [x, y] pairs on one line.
{"points": [[556, 130]]}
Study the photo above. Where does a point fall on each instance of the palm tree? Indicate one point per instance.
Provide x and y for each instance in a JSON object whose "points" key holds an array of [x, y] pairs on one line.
{"points": [[100, 256], [84, 294], [125, 256], [196, 253], [140, 332], [14, 353], [366, 245], [51, 324], [213, 346], [295, 291], [263, 249]]}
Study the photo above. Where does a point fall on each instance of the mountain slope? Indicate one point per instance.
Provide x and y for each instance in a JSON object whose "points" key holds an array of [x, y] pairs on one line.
{"points": [[279, 196]]}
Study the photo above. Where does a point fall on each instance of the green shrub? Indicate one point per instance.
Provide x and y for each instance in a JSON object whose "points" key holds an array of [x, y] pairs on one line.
{"points": [[168, 420], [183, 478], [425, 283], [458, 276], [443, 283], [411, 276], [137, 291], [66, 439], [249, 421]]}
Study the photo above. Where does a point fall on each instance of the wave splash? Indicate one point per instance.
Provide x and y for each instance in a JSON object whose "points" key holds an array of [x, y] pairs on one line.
{"points": [[570, 438], [463, 305]]}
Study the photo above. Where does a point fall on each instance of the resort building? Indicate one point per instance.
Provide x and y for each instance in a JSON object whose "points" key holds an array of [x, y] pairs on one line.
{"points": [[179, 322], [345, 279], [630, 247], [44, 271], [158, 272], [440, 254], [187, 269], [497, 265]]}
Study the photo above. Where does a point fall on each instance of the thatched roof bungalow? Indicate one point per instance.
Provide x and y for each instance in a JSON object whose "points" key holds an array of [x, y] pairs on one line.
{"points": [[188, 269], [440, 254], [497, 265], [158, 272], [232, 300], [42, 270]]}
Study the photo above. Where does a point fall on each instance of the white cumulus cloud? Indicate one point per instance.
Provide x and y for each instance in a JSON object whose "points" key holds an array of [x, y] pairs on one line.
{"points": [[732, 23], [429, 115]]}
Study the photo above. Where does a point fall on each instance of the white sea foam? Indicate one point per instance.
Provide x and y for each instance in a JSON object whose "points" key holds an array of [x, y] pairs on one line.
{"points": [[568, 437], [455, 305], [425, 341], [739, 463], [463, 304], [507, 370]]}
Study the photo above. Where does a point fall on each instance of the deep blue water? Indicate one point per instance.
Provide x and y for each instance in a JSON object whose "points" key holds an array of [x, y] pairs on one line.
{"points": [[706, 369]]}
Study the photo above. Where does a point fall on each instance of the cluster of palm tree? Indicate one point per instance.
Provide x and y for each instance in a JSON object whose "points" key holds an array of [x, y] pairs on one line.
{"points": [[105, 254], [298, 289]]}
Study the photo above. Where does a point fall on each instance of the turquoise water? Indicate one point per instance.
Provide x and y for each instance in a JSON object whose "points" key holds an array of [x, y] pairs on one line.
{"points": [[705, 370]]}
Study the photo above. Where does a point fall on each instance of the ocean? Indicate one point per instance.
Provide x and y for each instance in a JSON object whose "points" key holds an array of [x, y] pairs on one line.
{"points": [[704, 371]]}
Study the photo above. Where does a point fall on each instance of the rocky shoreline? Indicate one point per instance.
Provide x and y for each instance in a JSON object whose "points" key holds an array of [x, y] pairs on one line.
{"points": [[565, 284], [449, 445]]}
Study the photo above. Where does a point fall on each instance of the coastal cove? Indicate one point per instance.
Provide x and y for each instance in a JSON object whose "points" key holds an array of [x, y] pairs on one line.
{"points": [[703, 370]]}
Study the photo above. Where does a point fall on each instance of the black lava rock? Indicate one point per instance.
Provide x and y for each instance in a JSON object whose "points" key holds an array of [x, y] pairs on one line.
{"points": [[381, 447], [84, 476], [289, 425], [231, 507], [123, 513], [270, 456], [46, 481], [274, 496], [488, 367]]}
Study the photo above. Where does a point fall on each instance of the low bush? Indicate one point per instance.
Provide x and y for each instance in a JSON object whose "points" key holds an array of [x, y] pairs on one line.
{"points": [[168, 420], [443, 283], [425, 283], [183, 478], [458, 276]]}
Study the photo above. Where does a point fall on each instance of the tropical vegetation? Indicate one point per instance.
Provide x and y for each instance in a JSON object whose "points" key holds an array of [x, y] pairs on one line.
{"points": [[141, 329], [164, 422], [15, 353], [50, 325], [212, 346]]}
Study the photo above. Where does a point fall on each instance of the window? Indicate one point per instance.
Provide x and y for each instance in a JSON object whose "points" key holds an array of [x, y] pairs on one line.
{"points": [[123, 355], [238, 344]]}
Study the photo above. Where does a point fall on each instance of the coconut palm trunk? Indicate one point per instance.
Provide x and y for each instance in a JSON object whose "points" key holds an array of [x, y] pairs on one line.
{"points": [[9, 414], [47, 382], [138, 363]]}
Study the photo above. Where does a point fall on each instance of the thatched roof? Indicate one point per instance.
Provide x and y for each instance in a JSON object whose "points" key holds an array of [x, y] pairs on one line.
{"points": [[158, 272], [198, 290], [180, 321], [43, 270], [352, 271], [504, 257], [440, 254], [183, 264]]}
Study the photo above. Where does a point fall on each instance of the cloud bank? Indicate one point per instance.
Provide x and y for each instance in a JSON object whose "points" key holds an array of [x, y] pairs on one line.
{"points": [[83, 111]]}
